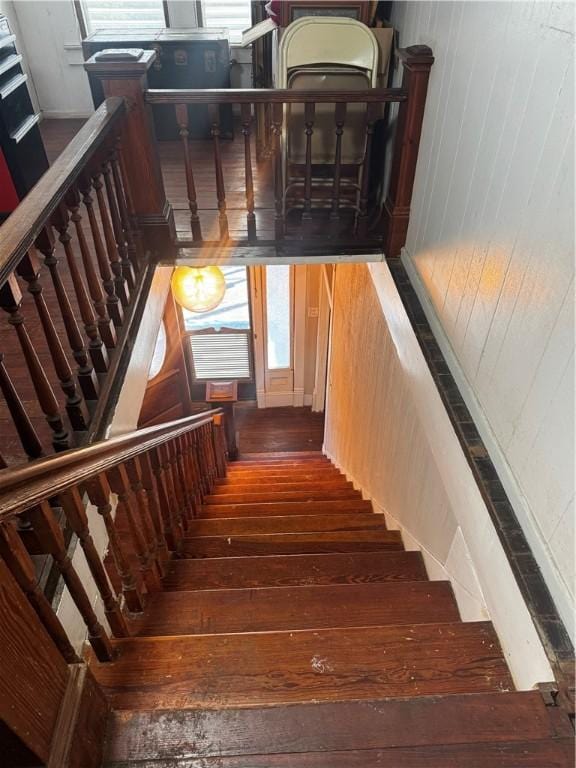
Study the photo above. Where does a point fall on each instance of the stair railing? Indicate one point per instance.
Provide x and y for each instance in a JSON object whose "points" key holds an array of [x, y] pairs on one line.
{"points": [[143, 488], [75, 261]]}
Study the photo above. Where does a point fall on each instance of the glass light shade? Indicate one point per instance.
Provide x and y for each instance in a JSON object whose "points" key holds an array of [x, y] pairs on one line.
{"points": [[198, 289]]}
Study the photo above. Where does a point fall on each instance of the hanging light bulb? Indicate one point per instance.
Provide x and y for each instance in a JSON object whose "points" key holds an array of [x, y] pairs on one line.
{"points": [[198, 289]]}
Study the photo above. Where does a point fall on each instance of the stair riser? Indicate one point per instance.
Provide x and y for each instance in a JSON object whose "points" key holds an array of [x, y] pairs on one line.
{"points": [[285, 508], [245, 526], [255, 487], [268, 496]]}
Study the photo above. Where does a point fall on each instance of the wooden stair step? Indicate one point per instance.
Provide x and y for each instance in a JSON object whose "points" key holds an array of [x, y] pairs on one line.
{"points": [[551, 753], [290, 455], [426, 721], [289, 608], [279, 472], [294, 570], [266, 495], [286, 508], [217, 671], [280, 478], [284, 463], [234, 488], [292, 543], [246, 526]]}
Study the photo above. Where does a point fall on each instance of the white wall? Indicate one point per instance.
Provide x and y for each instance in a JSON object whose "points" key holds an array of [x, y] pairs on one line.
{"points": [[8, 9], [490, 246], [387, 429], [52, 39]]}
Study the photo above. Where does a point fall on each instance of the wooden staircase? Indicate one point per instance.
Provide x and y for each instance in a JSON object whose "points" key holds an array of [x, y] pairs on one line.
{"points": [[294, 630]]}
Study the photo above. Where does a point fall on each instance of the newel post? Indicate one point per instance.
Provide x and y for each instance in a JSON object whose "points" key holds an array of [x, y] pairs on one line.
{"points": [[139, 159], [417, 61]]}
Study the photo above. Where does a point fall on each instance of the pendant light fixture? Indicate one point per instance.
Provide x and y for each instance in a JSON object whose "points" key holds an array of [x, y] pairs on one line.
{"points": [[198, 289]]}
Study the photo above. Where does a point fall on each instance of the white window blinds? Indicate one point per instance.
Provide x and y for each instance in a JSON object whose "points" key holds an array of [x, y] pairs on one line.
{"points": [[233, 15], [128, 14]]}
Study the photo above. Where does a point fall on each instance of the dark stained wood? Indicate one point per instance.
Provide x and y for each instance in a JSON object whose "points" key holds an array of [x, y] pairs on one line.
{"points": [[278, 475], [222, 491], [278, 429], [219, 174], [339, 120], [277, 127], [294, 570], [19, 417], [292, 543], [333, 726], [246, 111], [22, 227], [182, 120], [553, 753], [214, 671], [273, 96], [244, 526], [29, 270], [286, 508], [309, 110], [33, 674], [294, 608], [371, 116], [417, 62]]}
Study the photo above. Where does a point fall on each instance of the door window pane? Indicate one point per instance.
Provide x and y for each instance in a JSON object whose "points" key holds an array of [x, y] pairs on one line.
{"points": [[278, 316], [232, 312]]}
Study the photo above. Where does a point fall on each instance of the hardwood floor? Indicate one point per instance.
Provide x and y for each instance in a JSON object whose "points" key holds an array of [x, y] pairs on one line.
{"points": [[278, 429], [265, 649]]}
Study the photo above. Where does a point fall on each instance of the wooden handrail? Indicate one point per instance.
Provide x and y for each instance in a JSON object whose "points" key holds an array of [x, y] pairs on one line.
{"points": [[25, 223], [26, 486], [273, 96]]}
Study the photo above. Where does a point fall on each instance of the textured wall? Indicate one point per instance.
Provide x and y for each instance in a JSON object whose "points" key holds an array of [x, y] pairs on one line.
{"points": [[491, 244]]}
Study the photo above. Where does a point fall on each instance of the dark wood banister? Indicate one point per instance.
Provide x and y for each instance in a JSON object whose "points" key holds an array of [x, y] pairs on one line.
{"points": [[27, 485], [25, 223], [272, 96]]}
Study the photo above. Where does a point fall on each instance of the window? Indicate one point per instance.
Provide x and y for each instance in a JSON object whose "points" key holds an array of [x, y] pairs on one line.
{"points": [[159, 355], [127, 14], [220, 341], [278, 316], [233, 15]]}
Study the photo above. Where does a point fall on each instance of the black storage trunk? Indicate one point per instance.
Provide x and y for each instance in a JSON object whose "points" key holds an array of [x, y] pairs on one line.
{"points": [[187, 58]]}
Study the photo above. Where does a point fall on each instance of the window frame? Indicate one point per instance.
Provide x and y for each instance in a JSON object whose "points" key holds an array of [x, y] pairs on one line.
{"points": [[83, 18]]}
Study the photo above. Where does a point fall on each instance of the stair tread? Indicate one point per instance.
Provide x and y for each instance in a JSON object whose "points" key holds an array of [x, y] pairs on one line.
{"points": [[287, 608], [291, 543], [243, 526], [213, 671], [339, 483], [286, 508], [255, 456], [294, 570], [549, 753], [330, 726], [280, 462], [264, 495], [270, 472]]}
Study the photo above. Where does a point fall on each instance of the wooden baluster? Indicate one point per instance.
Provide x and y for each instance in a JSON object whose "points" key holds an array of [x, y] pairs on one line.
{"points": [[182, 120], [277, 121], [105, 327], [96, 348], [219, 445], [173, 531], [309, 110], [339, 119], [246, 112], [50, 535], [26, 432], [174, 448], [120, 285], [19, 562], [119, 236], [112, 301], [120, 484], [122, 193], [86, 374], [155, 507], [371, 115], [220, 190], [29, 270], [11, 302], [173, 489], [200, 463], [158, 544], [192, 482], [78, 522], [99, 491]]}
